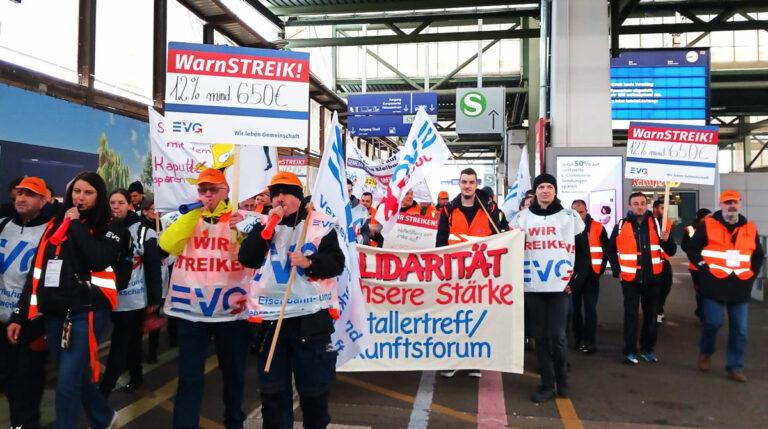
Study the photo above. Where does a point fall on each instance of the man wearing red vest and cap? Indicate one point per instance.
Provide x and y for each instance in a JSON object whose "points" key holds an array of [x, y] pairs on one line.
{"points": [[585, 282], [304, 352], [727, 253], [634, 252]]}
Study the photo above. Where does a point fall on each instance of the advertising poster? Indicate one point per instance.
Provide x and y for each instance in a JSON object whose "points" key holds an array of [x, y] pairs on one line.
{"points": [[454, 307], [598, 180]]}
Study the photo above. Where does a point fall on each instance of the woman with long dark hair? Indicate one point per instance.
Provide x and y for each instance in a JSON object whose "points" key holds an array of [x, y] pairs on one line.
{"points": [[73, 284], [550, 236], [138, 280]]}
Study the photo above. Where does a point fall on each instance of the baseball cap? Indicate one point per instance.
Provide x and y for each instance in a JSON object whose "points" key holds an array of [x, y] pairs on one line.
{"points": [[34, 184], [211, 175], [285, 178], [730, 194], [442, 194]]}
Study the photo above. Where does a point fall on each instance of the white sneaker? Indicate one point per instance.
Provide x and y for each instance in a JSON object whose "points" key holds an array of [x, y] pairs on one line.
{"points": [[660, 319], [449, 373], [475, 373]]}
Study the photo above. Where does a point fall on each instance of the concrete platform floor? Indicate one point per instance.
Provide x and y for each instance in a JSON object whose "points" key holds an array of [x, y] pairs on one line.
{"points": [[606, 393]]}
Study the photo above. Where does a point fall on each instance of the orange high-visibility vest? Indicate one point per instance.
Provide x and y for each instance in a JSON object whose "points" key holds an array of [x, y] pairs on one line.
{"points": [[461, 228], [629, 254], [105, 281], [595, 247], [413, 210], [726, 255], [689, 231]]}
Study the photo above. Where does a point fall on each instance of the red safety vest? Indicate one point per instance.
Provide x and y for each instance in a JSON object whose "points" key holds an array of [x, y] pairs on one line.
{"points": [[105, 281], [729, 253], [461, 228], [629, 254], [595, 246]]}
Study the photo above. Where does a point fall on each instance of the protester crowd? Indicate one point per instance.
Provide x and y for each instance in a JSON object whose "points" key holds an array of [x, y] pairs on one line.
{"points": [[100, 255]]}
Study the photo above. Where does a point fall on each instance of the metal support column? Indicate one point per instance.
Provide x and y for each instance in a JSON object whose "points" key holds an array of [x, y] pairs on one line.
{"points": [[160, 27], [531, 74], [86, 46]]}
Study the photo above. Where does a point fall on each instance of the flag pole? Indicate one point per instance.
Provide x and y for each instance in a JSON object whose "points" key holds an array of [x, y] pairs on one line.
{"points": [[493, 222], [234, 193], [287, 293]]}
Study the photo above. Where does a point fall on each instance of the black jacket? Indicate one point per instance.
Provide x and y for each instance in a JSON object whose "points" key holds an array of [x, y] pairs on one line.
{"points": [[444, 227], [327, 262], [731, 289], [582, 265], [82, 253], [645, 274]]}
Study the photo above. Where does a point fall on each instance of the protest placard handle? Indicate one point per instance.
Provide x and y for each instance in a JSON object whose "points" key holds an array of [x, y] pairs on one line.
{"points": [[234, 193], [287, 293], [157, 223], [492, 221], [666, 207]]}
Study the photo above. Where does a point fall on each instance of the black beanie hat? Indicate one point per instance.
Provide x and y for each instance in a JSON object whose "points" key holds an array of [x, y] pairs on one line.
{"points": [[136, 187], [544, 178], [296, 191]]}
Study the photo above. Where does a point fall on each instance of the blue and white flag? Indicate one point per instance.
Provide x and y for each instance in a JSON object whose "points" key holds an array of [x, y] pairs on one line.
{"points": [[330, 197], [424, 150], [518, 189]]}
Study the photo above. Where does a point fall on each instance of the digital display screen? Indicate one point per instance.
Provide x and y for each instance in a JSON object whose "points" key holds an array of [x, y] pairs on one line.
{"points": [[664, 86]]}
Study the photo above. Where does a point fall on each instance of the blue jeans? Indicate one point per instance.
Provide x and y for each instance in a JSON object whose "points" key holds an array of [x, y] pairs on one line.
{"points": [[232, 340], [737, 330], [309, 360], [74, 388]]}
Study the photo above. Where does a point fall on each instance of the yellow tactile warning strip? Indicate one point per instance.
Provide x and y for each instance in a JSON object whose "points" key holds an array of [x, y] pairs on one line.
{"points": [[568, 414]]}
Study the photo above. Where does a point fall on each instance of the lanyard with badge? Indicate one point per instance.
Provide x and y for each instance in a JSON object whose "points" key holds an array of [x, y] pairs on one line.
{"points": [[53, 279]]}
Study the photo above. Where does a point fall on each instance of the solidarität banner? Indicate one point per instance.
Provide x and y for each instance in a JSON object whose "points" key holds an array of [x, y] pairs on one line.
{"points": [[454, 307]]}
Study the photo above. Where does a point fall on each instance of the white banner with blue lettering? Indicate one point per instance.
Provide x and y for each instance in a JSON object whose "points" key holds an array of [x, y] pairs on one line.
{"points": [[330, 197]]}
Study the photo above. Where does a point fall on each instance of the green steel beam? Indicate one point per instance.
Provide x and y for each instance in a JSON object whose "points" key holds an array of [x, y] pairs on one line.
{"points": [[388, 6], [389, 19], [419, 38]]}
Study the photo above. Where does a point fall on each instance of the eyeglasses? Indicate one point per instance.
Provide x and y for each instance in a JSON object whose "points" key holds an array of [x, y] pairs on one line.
{"points": [[213, 190]]}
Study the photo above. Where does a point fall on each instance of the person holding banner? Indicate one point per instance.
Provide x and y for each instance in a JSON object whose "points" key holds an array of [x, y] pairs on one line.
{"points": [[73, 284], [408, 205], [666, 282], [585, 282], [635, 253], [727, 252], [207, 299], [468, 215], [304, 351], [550, 238]]}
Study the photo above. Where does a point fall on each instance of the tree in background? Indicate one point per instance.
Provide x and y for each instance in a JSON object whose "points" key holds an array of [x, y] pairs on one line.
{"points": [[146, 173], [111, 167]]}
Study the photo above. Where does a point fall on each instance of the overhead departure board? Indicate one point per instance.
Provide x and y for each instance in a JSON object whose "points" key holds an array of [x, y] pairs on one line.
{"points": [[660, 85]]}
